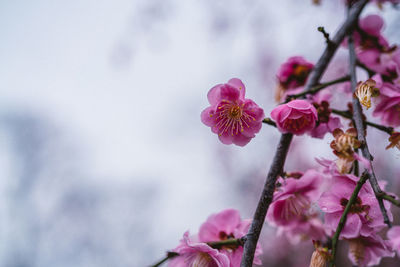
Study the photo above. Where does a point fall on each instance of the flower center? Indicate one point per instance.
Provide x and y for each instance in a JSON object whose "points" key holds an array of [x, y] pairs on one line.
{"points": [[297, 124], [357, 206], [232, 118], [295, 206]]}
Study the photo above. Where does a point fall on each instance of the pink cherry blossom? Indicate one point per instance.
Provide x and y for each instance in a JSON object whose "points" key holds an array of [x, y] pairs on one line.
{"points": [[293, 198], [368, 251], [364, 217], [294, 72], [291, 75], [394, 238], [235, 119], [225, 225], [308, 227], [297, 117], [197, 254], [388, 102]]}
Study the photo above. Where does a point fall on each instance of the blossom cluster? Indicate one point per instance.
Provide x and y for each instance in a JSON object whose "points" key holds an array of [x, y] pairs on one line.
{"points": [[332, 200]]}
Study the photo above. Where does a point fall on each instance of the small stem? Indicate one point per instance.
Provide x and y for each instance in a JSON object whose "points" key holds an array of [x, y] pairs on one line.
{"points": [[170, 255], [229, 242], [391, 199], [317, 88], [347, 114], [269, 121], [364, 177], [326, 35]]}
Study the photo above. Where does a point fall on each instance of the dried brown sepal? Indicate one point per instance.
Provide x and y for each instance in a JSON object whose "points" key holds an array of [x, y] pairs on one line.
{"points": [[394, 140], [364, 91]]}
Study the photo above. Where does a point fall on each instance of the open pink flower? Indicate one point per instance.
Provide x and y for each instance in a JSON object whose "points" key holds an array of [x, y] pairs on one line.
{"points": [[364, 217], [224, 225], [235, 119], [368, 251], [293, 198], [306, 228], [388, 102], [297, 117], [291, 75], [394, 238], [197, 254]]}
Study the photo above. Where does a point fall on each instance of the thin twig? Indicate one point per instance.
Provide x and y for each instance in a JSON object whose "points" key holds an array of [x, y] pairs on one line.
{"points": [[269, 121], [343, 218], [170, 255], [317, 88], [347, 114], [284, 143], [357, 116], [326, 35]]}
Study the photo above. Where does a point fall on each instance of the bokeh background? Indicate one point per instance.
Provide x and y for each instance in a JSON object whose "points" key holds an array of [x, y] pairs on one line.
{"points": [[103, 158]]}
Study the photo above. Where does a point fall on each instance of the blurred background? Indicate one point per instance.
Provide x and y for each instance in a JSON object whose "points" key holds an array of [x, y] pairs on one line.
{"points": [[103, 158]]}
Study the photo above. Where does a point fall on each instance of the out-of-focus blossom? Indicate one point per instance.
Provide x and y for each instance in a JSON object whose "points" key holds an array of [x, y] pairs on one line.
{"points": [[394, 140], [293, 198], [291, 208], [309, 226], [394, 238], [373, 49], [364, 217], [291, 75], [235, 119], [366, 90], [297, 117], [388, 102], [225, 225], [368, 251], [197, 254], [326, 122]]}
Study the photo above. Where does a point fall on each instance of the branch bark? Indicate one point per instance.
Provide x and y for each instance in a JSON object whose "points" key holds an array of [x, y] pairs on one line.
{"points": [[357, 117]]}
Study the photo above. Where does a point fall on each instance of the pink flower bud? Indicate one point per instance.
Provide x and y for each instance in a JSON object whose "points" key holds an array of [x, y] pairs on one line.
{"points": [[296, 117]]}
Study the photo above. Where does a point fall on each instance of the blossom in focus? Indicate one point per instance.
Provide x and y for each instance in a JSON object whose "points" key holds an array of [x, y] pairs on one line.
{"points": [[394, 140], [364, 217], [368, 251], [326, 122], [394, 238], [296, 117], [388, 102], [225, 225], [291, 75], [197, 254], [365, 90], [235, 119]]}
